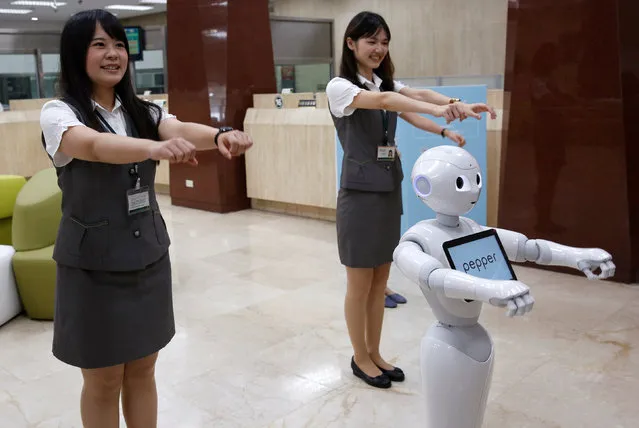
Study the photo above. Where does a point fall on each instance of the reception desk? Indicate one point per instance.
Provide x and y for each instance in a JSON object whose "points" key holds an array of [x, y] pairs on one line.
{"points": [[292, 166], [21, 144]]}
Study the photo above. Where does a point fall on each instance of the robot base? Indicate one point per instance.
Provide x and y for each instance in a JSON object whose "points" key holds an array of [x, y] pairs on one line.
{"points": [[457, 368]]}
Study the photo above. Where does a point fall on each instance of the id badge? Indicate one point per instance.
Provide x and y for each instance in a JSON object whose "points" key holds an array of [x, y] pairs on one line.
{"points": [[138, 200], [386, 153]]}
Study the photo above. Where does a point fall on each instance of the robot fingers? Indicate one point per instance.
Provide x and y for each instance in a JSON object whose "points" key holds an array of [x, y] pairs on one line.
{"points": [[530, 302], [607, 270], [512, 308], [589, 273], [520, 306]]}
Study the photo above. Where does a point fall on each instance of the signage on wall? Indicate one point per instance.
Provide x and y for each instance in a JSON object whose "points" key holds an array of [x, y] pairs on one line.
{"points": [[307, 103], [137, 43]]}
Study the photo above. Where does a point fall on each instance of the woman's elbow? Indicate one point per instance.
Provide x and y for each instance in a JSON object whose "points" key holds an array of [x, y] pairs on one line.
{"points": [[385, 100]]}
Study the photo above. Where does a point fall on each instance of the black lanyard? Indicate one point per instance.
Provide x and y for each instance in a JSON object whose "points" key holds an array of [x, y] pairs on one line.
{"points": [[132, 171], [385, 124], [104, 122]]}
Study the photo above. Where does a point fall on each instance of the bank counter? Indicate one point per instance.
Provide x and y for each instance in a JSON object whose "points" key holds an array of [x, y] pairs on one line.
{"points": [[292, 167]]}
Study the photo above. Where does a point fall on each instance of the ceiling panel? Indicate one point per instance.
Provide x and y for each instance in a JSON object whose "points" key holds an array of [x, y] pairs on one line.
{"points": [[55, 17]]}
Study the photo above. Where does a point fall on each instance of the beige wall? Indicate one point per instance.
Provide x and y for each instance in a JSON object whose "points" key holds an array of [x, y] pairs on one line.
{"points": [[146, 20], [429, 37]]}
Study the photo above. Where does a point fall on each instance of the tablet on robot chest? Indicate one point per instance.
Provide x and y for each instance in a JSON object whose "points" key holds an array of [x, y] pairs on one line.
{"points": [[480, 254]]}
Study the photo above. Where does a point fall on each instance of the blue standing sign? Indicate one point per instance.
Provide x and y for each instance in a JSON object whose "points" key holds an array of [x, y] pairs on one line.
{"points": [[412, 142]]}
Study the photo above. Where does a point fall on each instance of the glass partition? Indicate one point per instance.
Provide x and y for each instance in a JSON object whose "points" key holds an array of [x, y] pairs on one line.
{"points": [[303, 77], [149, 73], [491, 81], [51, 69], [17, 78]]}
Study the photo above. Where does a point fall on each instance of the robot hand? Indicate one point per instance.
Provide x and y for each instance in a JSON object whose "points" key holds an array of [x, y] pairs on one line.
{"points": [[512, 294], [596, 258], [585, 259]]}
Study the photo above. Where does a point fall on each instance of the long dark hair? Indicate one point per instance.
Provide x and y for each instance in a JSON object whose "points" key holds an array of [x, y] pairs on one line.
{"points": [[75, 85], [366, 24]]}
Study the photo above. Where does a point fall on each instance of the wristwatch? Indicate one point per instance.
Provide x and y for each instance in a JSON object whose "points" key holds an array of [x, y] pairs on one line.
{"points": [[454, 100], [222, 130]]}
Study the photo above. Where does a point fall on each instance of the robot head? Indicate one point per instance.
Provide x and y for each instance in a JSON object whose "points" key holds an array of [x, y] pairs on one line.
{"points": [[448, 179]]}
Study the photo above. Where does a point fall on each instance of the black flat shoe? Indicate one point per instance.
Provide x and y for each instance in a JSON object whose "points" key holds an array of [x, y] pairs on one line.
{"points": [[396, 375], [381, 381]]}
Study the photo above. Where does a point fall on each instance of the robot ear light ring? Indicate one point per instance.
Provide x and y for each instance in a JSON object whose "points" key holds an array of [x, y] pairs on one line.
{"points": [[459, 266]]}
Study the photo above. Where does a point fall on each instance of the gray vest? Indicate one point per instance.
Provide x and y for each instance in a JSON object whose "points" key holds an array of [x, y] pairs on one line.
{"points": [[96, 231], [360, 134]]}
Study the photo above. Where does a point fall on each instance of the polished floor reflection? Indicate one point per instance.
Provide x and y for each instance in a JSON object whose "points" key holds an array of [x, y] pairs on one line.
{"points": [[261, 342]]}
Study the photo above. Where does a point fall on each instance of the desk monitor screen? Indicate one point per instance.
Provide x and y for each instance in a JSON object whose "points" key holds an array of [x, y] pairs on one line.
{"points": [[481, 255]]}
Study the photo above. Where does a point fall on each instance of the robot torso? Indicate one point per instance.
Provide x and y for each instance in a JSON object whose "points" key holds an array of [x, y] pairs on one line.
{"points": [[433, 234]]}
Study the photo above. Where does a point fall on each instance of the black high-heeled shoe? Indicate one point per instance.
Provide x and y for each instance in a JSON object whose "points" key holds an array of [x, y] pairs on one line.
{"points": [[396, 375], [381, 381]]}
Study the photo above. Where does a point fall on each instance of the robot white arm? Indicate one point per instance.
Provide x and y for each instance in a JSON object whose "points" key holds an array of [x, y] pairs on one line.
{"points": [[411, 258], [521, 249]]}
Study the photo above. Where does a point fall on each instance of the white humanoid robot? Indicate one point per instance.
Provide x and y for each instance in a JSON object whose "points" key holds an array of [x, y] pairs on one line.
{"points": [[457, 352]]}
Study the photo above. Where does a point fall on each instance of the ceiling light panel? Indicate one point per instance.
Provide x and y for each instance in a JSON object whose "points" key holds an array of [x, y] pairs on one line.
{"points": [[128, 7], [15, 11], [37, 3]]}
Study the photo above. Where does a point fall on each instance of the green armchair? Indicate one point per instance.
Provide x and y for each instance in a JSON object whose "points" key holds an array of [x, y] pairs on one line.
{"points": [[10, 186], [36, 218]]}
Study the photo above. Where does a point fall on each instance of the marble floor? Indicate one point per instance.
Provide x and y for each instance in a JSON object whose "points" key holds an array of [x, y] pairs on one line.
{"points": [[261, 342]]}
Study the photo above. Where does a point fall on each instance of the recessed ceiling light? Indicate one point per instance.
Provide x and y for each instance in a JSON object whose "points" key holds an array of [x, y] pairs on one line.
{"points": [[15, 11], [38, 3], [34, 18], [128, 7]]}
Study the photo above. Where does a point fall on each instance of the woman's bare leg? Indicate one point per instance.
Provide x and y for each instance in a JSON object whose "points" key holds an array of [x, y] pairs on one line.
{"points": [[358, 288], [139, 393], [100, 400], [375, 315]]}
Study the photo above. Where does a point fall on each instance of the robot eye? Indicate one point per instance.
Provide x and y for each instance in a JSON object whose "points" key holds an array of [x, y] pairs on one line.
{"points": [[479, 180], [462, 183]]}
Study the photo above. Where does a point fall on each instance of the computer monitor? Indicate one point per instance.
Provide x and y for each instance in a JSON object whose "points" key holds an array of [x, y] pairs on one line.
{"points": [[481, 255]]}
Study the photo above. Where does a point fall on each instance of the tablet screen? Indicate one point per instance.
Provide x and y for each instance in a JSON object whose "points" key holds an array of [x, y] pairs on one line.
{"points": [[480, 255]]}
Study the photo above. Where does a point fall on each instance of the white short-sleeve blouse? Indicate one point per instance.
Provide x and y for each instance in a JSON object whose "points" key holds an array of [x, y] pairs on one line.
{"points": [[57, 117], [341, 92]]}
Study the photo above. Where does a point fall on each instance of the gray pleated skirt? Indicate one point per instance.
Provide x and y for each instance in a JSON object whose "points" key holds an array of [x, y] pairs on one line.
{"points": [[104, 319], [368, 226]]}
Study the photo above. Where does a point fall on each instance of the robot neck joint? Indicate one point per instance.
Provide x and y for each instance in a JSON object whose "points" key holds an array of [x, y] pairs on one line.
{"points": [[448, 220]]}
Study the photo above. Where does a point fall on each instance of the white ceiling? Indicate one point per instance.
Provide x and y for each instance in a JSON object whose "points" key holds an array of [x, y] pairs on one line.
{"points": [[48, 16]]}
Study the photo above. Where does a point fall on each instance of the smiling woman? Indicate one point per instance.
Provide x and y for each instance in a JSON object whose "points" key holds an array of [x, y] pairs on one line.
{"points": [[365, 102], [114, 309]]}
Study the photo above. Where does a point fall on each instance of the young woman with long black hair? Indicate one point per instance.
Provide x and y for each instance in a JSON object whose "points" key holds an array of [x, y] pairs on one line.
{"points": [[364, 102], [114, 309]]}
